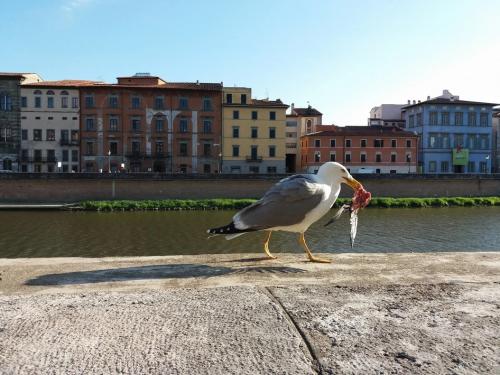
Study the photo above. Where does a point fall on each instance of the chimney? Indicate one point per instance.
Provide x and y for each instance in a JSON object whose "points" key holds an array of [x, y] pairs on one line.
{"points": [[414, 101], [419, 102], [428, 97], [197, 82], [292, 107], [409, 101]]}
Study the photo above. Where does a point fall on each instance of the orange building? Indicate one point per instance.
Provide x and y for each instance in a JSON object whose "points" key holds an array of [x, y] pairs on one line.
{"points": [[145, 124], [362, 149]]}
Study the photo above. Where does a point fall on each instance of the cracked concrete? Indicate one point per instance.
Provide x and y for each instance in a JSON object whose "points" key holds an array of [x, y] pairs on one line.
{"points": [[234, 314]]}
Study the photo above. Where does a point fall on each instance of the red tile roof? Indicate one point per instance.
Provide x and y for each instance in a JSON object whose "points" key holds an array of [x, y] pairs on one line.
{"points": [[364, 130], [62, 83], [309, 111]]}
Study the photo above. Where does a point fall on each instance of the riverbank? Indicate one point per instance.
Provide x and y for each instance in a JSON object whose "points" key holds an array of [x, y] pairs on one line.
{"points": [[233, 313], [235, 204]]}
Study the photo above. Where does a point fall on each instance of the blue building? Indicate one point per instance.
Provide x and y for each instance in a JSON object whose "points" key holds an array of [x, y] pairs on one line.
{"points": [[455, 135]]}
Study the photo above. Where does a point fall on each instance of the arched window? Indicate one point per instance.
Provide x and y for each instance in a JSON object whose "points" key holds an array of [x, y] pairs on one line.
{"points": [[37, 92], [64, 92], [50, 92]]}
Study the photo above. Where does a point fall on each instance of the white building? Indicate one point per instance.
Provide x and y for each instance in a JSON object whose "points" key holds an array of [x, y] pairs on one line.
{"points": [[387, 115], [50, 122]]}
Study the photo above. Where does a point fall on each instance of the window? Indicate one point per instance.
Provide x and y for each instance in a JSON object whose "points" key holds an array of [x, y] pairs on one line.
{"points": [[393, 158], [459, 118], [183, 149], [136, 124], [207, 149], [253, 152], [183, 103], [432, 167], [38, 102], [64, 102], [291, 124], [159, 148], [50, 135], [229, 98], [38, 155], [51, 155], [89, 148], [317, 156], [483, 121], [89, 101], [433, 141], [236, 131], [459, 140], [135, 102], [411, 121], [74, 135], [136, 147], [363, 157], [433, 118], [89, 124], [236, 151], [471, 167], [5, 102], [113, 147], [317, 143], [378, 143], [236, 115], [24, 134], [394, 143], [348, 157], [484, 142], [159, 102], [113, 101], [113, 124], [272, 151], [347, 143], [254, 115], [419, 119], [363, 143], [74, 155], [243, 98], [309, 126], [254, 132], [408, 158], [332, 142], [272, 115], [74, 102], [254, 169], [272, 170], [272, 132], [378, 158], [471, 118], [235, 169], [65, 155], [183, 126], [408, 143], [332, 156], [159, 124], [444, 167], [483, 167], [207, 104], [24, 101], [207, 126], [445, 118], [37, 134]]}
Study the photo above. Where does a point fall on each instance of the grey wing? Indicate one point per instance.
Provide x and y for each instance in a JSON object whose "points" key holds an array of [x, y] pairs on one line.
{"points": [[286, 203]]}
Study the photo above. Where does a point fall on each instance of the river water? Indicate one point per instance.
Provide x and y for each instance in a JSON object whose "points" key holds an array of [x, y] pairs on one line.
{"points": [[93, 234]]}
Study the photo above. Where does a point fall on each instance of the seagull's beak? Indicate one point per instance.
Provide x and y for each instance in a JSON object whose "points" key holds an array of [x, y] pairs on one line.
{"points": [[353, 183]]}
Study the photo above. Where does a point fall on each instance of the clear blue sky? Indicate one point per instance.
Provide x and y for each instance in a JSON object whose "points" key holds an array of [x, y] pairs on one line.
{"points": [[344, 57]]}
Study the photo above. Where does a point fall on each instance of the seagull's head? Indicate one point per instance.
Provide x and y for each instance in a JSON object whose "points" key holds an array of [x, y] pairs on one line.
{"points": [[335, 173]]}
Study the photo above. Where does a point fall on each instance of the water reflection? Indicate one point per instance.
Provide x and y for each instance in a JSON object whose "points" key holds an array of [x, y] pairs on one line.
{"points": [[90, 234]]}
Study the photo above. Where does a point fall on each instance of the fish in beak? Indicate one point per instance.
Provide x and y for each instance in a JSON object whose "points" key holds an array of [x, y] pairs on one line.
{"points": [[353, 183]]}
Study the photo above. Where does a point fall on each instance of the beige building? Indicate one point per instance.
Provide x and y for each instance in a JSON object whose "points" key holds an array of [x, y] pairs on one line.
{"points": [[50, 123], [300, 121], [253, 133]]}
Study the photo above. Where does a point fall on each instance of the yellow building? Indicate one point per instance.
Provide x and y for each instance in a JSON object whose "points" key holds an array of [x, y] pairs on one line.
{"points": [[253, 133]]}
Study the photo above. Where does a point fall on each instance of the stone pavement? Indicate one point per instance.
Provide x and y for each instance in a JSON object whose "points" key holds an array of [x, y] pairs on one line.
{"points": [[433, 313]]}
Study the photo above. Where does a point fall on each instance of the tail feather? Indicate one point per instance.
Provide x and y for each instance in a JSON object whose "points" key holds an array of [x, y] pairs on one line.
{"points": [[230, 230]]}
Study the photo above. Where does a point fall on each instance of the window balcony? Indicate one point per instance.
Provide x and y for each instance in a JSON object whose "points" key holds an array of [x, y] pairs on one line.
{"points": [[254, 159]]}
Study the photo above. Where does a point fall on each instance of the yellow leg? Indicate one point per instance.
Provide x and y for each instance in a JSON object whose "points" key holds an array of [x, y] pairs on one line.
{"points": [[266, 246], [311, 257]]}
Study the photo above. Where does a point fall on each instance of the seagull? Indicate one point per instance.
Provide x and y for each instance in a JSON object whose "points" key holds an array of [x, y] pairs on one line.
{"points": [[292, 205]]}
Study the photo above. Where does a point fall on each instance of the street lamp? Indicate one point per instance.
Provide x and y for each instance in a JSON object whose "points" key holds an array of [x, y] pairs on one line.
{"points": [[59, 165], [109, 161], [219, 162]]}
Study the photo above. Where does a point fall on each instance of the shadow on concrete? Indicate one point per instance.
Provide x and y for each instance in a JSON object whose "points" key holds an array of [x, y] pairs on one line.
{"points": [[170, 271]]}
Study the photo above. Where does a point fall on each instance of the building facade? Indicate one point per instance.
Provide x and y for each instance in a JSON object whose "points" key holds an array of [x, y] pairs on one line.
{"points": [[10, 117], [387, 115], [145, 124], [362, 149], [496, 141], [253, 133], [456, 135], [50, 127], [299, 122]]}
